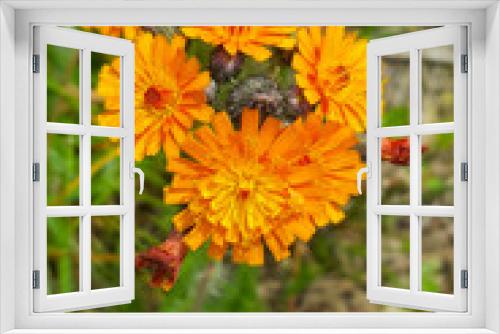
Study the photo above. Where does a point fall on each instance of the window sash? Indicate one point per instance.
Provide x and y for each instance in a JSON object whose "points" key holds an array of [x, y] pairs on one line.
{"points": [[85, 297], [414, 297]]}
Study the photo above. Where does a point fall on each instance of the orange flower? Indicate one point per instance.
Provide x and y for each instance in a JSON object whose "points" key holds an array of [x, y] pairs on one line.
{"points": [[397, 150], [326, 164], [248, 40], [164, 261], [127, 32], [331, 69], [169, 94], [270, 185]]}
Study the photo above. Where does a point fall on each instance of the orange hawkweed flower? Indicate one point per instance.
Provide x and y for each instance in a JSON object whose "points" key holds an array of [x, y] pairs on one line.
{"points": [[250, 40], [169, 94], [272, 185], [127, 32], [323, 169], [330, 67]]}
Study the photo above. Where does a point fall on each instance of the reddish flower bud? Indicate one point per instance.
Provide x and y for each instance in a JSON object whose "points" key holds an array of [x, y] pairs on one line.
{"points": [[397, 151], [224, 66], [163, 261]]}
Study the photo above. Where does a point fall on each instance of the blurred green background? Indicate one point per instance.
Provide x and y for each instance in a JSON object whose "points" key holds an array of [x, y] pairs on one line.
{"points": [[325, 275]]}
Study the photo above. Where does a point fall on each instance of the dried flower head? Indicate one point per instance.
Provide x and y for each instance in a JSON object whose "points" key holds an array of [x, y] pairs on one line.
{"points": [[263, 94], [224, 66], [397, 150], [163, 261]]}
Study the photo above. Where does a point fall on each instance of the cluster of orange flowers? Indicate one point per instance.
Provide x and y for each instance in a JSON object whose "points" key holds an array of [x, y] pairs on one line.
{"points": [[257, 186]]}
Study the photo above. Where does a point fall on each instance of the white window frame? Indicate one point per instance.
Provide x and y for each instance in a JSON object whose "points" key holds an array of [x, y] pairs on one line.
{"points": [[17, 19], [413, 43], [86, 297]]}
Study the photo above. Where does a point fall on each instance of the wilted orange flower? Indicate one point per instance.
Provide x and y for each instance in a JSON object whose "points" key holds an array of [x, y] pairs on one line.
{"points": [[127, 32], [331, 69], [169, 94], [397, 150], [250, 40], [272, 185], [164, 261]]}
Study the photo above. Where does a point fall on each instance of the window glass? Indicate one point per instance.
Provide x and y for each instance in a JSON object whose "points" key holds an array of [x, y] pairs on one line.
{"points": [[105, 157], [395, 170], [437, 84], [63, 92], [395, 89], [105, 239], [437, 169], [437, 254], [106, 81], [62, 254], [395, 259], [63, 169]]}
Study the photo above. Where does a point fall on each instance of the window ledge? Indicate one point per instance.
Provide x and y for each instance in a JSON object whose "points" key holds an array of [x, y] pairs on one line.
{"points": [[255, 331]]}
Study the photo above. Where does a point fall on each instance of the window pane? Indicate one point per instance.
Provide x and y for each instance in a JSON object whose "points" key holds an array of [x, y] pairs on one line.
{"points": [[105, 89], [395, 89], [437, 84], [395, 251], [62, 255], [395, 170], [105, 171], [437, 254], [63, 92], [105, 252], [437, 169], [63, 167]]}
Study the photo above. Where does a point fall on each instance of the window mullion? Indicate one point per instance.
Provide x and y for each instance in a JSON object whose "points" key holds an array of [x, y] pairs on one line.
{"points": [[85, 172], [415, 268]]}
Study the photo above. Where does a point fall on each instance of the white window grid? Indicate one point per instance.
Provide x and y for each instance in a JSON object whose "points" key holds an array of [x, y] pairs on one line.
{"points": [[86, 297], [414, 297]]}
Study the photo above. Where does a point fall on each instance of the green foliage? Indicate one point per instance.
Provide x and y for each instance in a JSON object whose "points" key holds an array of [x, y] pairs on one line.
{"points": [[186, 296], [430, 271], [62, 240], [201, 51], [307, 271], [222, 94], [399, 115], [238, 293]]}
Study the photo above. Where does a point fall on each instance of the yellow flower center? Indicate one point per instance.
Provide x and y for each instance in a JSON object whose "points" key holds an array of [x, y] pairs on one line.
{"points": [[243, 198], [245, 188]]}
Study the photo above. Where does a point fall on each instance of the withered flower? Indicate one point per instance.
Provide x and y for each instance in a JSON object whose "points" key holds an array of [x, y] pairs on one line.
{"points": [[397, 151], [163, 261]]}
